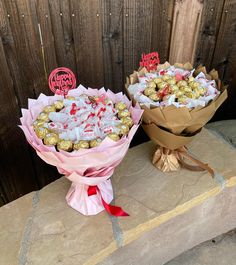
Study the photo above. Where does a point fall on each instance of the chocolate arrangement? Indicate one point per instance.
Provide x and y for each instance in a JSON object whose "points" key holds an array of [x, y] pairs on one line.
{"points": [[82, 122]]}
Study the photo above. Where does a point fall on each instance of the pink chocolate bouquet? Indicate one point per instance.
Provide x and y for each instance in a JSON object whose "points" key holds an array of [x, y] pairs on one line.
{"points": [[85, 140]]}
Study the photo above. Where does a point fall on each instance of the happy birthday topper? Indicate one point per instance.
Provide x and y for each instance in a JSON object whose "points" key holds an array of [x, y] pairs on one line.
{"points": [[150, 61], [61, 80]]}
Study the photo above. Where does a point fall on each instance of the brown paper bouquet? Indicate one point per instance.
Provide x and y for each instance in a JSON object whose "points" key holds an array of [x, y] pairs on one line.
{"points": [[178, 101]]}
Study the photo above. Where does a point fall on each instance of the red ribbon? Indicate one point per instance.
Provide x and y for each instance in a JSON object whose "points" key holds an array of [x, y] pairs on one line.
{"points": [[111, 209]]}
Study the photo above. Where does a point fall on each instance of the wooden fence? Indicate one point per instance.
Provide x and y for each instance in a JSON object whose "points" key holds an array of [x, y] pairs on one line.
{"points": [[101, 41]]}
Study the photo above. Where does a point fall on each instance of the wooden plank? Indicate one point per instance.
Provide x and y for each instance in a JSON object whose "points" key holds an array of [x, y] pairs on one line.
{"points": [[161, 27], [24, 57], [224, 55], [224, 59], [10, 52], [60, 15], [138, 16], [208, 32], [87, 34], [26, 38], [113, 44], [3, 197], [16, 167], [185, 28], [46, 36]]}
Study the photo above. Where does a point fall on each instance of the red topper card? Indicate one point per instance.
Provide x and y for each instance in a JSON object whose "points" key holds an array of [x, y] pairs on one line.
{"points": [[61, 80], [150, 61]]}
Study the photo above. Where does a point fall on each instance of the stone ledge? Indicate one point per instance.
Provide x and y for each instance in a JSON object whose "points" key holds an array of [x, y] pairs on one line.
{"points": [[49, 232]]}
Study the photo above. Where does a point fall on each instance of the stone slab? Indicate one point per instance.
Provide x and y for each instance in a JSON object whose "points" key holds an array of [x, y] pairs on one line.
{"points": [[49, 232], [216, 215]]}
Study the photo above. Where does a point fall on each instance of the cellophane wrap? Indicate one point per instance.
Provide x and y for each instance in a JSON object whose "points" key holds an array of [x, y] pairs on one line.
{"points": [[85, 167], [172, 127]]}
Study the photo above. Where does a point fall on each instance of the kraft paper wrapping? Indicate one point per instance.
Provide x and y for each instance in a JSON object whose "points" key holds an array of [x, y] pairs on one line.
{"points": [[173, 127]]}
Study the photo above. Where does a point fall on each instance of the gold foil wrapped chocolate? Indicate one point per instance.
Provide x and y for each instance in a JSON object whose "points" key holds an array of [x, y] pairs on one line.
{"points": [[127, 121], [51, 139], [43, 117], [59, 104], [123, 113], [154, 97], [82, 144], [166, 77], [179, 94], [95, 142], [191, 79], [114, 136], [151, 84], [157, 80], [49, 108], [120, 106], [182, 83], [148, 91], [182, 100], [65, 145], [123, 129], [162, 85], [41, 132], [174, 88], [38, 123], [171, 81]]}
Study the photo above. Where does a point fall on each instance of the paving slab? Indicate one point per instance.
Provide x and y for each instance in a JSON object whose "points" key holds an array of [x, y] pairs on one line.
{"points": [[165, 209]]}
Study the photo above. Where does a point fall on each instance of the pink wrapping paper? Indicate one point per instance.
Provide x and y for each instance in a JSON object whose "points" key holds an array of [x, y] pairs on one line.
{"points": [[85, 167]]}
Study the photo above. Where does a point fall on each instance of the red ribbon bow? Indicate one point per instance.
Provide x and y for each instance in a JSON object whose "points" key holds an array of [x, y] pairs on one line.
{"points": [[111, 209]]}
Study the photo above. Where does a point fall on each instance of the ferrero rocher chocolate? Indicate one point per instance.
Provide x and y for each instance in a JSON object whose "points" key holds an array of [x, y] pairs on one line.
{"points": [[190, 79], [186, 89], [59, 104], [120, 106], [81, 144], [127, 121], [65, 145], [161, 85], [41, 132], [182, 99], [123, 113], [154, 97], [43, 117], [171, 81], [157, 80], [166, 77], [51, 139], [123, 129], [174, 88], [179, 94], [38, 123], [95, 142], [148, 91], [152, 84], [114, 136], [182, 83], [49, 108]]}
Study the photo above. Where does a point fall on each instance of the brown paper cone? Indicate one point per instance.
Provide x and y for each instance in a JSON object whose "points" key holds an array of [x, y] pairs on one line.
{"points": [[168, 126]]}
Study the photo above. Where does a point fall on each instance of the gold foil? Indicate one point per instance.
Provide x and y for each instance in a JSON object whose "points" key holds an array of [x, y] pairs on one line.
{"points": [[65, 145], [81, 144]]}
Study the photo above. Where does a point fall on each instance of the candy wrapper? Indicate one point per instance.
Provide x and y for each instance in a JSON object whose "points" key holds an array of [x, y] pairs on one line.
{"points": [[174, 115], [88, 169]]}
